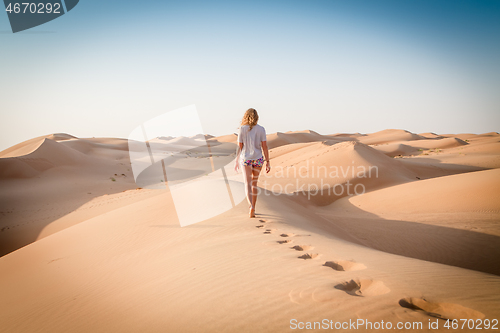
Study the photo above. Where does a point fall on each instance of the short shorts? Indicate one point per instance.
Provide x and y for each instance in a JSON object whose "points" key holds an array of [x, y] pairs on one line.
{"points": [[255, 163]]}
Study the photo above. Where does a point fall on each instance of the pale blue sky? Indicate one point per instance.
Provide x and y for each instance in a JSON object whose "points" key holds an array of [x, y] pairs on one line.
{"points": [[330, 66]]}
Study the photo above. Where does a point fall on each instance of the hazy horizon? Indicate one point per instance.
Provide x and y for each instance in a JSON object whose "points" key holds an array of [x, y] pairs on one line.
{"points": [[328, 66]]}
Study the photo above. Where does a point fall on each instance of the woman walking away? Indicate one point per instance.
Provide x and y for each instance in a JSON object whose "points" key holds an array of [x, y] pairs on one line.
{"points": [[252, 142]]}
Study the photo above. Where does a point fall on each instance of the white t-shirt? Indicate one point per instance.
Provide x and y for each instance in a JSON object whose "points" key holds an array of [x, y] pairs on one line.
{"points": [[251, 140]]}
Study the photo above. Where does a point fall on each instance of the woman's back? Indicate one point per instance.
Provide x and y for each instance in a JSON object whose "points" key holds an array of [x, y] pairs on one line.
{"points": [[251, 140]]}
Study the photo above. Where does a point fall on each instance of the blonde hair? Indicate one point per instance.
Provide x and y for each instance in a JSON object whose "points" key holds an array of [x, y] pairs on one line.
{"points": [[250, 118]]}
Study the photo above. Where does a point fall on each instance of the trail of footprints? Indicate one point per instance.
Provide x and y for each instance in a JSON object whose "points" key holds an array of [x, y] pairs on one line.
{"points": [[366, 287]]}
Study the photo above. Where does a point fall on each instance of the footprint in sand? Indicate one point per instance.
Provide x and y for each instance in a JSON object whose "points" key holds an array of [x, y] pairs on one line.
{"points": [[440, 310], [302, 247], [312, 295], [259, 226], [264, 221], [288, 235], [285, 241], [269, 231], [345, 265], [309, 256], [363, 287]]}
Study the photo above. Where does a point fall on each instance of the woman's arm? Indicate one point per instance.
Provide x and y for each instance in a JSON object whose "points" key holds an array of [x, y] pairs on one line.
{"points": [[266, 155], [237, 162]]}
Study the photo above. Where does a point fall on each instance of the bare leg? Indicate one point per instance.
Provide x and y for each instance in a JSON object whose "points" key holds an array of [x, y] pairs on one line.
{"points": [[255, 178], [247, 174]]}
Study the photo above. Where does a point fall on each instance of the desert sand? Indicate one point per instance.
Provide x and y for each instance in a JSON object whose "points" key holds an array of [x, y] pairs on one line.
{"points": [[84, 249]]}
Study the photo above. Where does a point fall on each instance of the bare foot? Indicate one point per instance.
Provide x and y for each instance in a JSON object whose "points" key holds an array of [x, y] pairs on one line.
{"points": [[252, 213]]}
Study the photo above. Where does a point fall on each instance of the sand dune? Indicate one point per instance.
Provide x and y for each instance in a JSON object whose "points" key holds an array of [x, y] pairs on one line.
{"points": [[452, 220], [46, 156], [430, 135], [418, 146], [59, 184], [186, 141], [226, 138], [348, 135], [28, 146], [389, 135], [469, 192], [281, 139], [83, 249], [125, 270], [304, 168]]}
